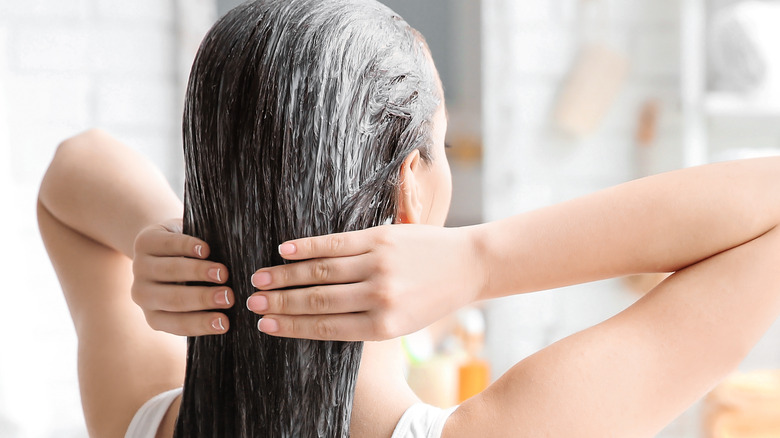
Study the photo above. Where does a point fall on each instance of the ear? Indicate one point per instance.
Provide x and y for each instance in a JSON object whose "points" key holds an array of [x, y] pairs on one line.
{"points": [[409, 202]]}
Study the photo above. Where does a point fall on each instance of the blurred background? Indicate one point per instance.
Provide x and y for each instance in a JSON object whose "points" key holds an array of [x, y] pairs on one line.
{"points": [[548, 100]]}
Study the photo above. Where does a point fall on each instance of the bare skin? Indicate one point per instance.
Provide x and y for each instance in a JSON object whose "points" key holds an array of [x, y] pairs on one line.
{"points": [[715, 226]]}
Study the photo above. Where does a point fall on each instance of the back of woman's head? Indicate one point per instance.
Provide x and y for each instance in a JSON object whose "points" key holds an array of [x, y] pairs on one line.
{"points": [[298, 117]]}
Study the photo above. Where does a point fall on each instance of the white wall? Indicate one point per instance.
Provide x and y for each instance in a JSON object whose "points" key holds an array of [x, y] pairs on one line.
{"points": [[529, 47], [66, 66]]}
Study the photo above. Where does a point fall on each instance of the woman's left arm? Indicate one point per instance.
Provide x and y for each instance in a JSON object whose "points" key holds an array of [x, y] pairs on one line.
{"points": [[95, 197]]}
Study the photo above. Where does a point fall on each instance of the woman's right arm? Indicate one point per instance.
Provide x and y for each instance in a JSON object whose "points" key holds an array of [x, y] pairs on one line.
{"points": [[662, 223], [634, 373], [715, 226], [366, 280]]}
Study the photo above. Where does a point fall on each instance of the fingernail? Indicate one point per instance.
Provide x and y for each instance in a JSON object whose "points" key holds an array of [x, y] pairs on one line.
{"points": [[287, 249], [217, 325], [199, 250], [222, 298], [266, 325], [215, 274], [261, 279], [257, 303]]}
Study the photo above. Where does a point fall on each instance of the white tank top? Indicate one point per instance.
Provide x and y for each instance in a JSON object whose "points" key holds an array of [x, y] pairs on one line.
{"points": [[422, 421], [419, 421], [147, 420]]}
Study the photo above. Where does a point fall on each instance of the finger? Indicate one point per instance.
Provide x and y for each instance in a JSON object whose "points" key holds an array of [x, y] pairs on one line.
{"points": [[331, 245], [174, 225], [189, 324], [317, 300], [181, 298], [179, 269], [160, 241], [343, 327], [311, 272]]}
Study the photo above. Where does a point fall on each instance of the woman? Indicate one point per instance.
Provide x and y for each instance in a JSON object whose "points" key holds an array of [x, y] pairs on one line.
{"points": [[302, 117]]}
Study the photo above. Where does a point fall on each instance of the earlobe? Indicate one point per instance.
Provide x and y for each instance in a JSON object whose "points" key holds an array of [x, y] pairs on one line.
{"points": [[409, 202]]}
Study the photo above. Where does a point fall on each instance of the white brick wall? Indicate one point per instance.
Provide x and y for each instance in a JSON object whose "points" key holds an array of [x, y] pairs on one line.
{"points": [[43, 9], [152, 12], [65, 66], [80, 64]]}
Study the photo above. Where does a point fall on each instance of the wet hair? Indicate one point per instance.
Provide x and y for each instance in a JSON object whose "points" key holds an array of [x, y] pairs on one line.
{"points": [[298, 117]]}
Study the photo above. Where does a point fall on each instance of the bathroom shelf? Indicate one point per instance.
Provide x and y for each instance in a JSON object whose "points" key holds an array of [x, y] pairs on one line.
{"points": [[699, 105], [731, 105]]}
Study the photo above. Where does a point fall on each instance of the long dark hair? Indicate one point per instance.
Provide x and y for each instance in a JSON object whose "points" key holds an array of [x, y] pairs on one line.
{"points": [[299, 114]]}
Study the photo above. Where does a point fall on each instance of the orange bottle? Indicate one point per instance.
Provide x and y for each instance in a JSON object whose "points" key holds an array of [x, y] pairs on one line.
{"points": [[473, 372], [473, 378]]}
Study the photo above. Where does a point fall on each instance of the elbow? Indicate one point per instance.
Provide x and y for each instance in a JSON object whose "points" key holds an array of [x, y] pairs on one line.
{"points": [[68, 159], [75, 149]]}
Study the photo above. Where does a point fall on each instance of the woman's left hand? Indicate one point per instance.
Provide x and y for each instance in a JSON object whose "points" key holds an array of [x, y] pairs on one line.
{"points": [[164, 259]]}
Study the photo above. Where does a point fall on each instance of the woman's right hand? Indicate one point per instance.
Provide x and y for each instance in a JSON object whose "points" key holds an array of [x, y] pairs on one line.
{"points": [[369, 285], [164, 259]]}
